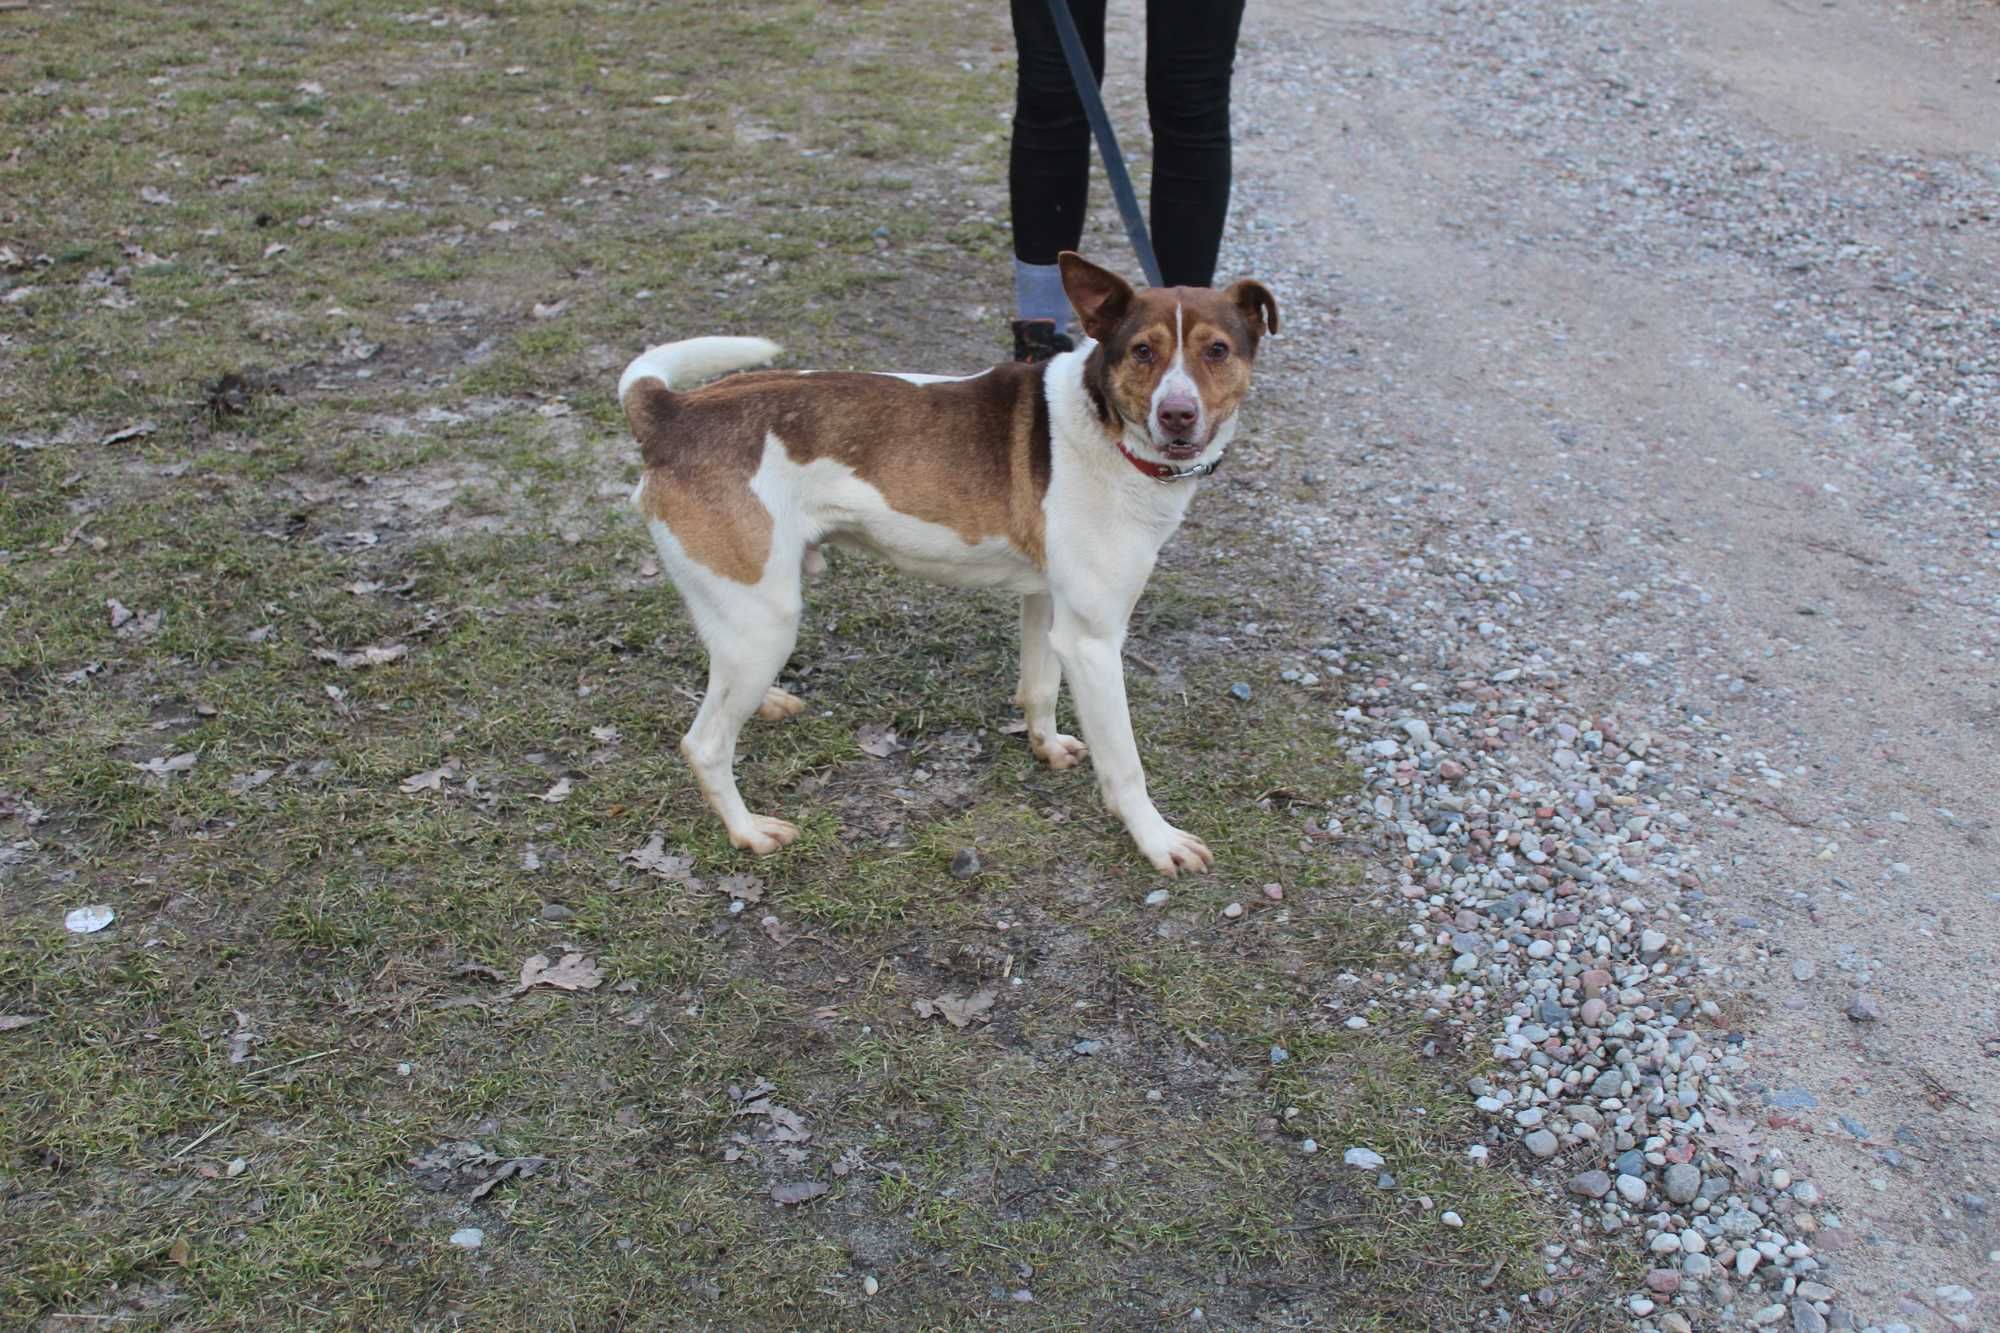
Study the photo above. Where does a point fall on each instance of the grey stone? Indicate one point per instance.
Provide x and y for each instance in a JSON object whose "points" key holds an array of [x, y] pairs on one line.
{"points": [[1591, 1184], [1542, 1143], [1632, 1163], [1864, 1008], [1805, 1319], [1683, 1182], [1791, 1099]]}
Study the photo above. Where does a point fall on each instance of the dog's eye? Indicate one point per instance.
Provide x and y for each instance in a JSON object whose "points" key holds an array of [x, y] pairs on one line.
{"points": [[1142, 353], [1218, 351]]}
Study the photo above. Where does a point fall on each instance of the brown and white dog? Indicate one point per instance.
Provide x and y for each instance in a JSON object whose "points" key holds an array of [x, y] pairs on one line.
{"points": [[1058, 481]]}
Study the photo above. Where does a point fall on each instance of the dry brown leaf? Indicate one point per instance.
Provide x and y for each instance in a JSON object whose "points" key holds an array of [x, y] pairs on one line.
{"points": [[523, 1167], [180, 1252], [959, 1011], [574, 972], [164, 768], [131, 432], [10, 1022], [655, 857], [558, 793], [243, 782], [371, 656], [798, 1192], [431, 780], [873, 738], [744, 888]]}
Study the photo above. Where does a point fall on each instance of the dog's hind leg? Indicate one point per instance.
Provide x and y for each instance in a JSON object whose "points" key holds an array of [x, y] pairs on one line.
{"points": [[780, 704], [743, 660], [749, 631]]}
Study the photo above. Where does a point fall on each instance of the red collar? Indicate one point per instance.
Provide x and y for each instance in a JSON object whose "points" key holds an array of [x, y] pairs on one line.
{"points": [[1167, 472]]}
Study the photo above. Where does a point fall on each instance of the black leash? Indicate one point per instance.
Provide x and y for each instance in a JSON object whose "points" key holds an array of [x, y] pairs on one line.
{"points": [[1107, 141]]}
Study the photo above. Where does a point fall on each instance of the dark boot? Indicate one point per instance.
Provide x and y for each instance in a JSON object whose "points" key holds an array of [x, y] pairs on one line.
{"points": [[1037, 340]]}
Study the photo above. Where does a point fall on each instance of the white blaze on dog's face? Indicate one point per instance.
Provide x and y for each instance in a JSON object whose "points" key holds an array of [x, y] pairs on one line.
{"points": [[1172, 362]]}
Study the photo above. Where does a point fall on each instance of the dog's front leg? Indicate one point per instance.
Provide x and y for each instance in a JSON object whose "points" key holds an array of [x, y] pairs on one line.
{"points": [[1041, 678], [1090, 649]]}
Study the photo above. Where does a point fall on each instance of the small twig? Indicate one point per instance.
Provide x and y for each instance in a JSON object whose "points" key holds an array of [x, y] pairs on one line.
{"points": [[1139, 660], [272, 1069], [1783, 813], [206, 1137], [1335, 1220]]}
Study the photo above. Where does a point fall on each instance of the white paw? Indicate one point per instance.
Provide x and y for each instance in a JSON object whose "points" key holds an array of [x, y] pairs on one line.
{"points": [[780, 704], [1057, 750], [1172, 851], [765, 835]]}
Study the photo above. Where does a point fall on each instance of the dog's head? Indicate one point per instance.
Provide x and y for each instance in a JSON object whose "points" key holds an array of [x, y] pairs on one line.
{"points": [[1172, 362]]}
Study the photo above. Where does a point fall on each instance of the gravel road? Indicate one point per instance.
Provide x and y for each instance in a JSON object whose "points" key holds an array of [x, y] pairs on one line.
{"points": [[1641, 415]]}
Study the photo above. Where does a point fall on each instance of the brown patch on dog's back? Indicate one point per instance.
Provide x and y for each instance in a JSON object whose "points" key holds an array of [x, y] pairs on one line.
{"points": [[971, 455]]}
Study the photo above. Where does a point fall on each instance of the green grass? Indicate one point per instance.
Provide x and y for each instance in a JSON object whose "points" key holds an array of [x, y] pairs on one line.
{"points": [[327, 182]]}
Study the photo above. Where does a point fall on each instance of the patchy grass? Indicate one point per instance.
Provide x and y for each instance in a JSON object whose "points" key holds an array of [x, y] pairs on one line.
{"points": [[423, 242]]}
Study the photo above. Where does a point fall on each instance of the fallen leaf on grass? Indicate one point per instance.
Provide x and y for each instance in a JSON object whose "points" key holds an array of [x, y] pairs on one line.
{"points": [[373, 655], [81, 674], [655, 857], [164, 768], [959, 1011], [549, 311], [132, 432], [873, 738], [130, 624], [180, 1252], [557, 794], [431, 780], [9, 1022], [243, 782], [574, 972], [607, 735], [522, 1167], [803, 1191], [743, 888], [152, 195], [848, 1162]]}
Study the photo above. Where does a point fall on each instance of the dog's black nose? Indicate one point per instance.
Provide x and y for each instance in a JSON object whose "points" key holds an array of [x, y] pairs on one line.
{"points": [[1177, 415]]}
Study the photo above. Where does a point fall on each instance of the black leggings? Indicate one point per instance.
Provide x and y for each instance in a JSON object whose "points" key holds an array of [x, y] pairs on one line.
{"points": [[1190, 54]]}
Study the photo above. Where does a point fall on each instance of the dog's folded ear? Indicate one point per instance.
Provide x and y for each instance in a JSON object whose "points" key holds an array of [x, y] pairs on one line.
{"points": [[1254, 299], [1100, 297]]}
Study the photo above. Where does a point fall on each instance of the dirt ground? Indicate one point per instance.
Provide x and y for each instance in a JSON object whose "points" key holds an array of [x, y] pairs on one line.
{"points": [[1574, 317]]}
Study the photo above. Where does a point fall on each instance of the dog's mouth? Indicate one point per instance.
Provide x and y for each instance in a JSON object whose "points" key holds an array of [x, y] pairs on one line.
{"points": [[1178, 450]]}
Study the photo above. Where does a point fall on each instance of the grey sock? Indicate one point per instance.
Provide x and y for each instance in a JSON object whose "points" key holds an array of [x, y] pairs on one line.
{"points": [[1038, 293]]}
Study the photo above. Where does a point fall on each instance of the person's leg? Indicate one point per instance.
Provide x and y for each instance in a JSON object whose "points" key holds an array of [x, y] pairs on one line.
{"points": [[1190, 55], [1048, 166]]}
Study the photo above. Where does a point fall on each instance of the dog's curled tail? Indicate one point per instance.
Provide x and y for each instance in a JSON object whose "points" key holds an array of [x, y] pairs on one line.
{"points": [[684, 364]]}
